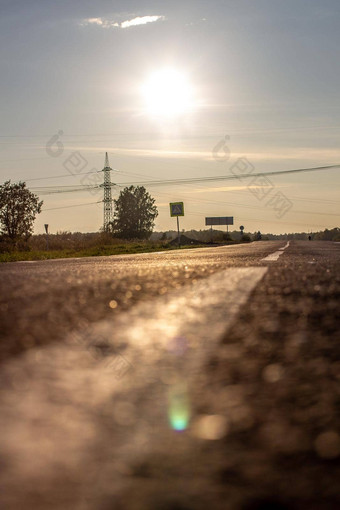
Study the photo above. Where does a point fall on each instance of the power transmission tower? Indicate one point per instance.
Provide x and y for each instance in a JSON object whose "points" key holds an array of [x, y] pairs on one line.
{"points": [[107, 194]]}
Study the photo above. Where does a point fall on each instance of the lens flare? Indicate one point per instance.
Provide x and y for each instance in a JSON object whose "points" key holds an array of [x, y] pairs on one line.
{"points": [[179, 406]]}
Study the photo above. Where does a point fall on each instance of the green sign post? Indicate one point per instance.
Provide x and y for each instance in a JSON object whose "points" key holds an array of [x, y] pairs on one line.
{"points": [[177, 209]]}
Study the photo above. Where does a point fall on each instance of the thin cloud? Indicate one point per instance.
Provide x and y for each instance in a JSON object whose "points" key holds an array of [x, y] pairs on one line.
{"points": [[93, 21], [282, 154], [106, 23], [140, 20], [218, 189]]}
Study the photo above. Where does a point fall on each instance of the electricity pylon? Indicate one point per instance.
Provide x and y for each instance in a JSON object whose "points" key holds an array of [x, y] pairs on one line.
{"points": [[107, 194]]}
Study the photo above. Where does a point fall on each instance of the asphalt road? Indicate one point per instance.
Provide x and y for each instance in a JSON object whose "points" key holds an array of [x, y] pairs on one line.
{"points": [[172, 380]]}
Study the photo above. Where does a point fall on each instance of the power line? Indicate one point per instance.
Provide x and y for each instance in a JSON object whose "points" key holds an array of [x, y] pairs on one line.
{"points": [[82, 186], [193, 179], [76, 188], [57, 176], [228, 177], [59, 192], [75, 205], [322, 200], [199, 214]]}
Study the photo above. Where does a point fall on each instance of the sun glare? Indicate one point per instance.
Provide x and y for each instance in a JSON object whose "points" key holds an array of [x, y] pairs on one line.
{"points": [[167, 93]]}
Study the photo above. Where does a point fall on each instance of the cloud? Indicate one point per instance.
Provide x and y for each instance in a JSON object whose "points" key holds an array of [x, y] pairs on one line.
{"points": [[106, 23], [218, 189], [140, 20], [94, 21], [329, 156]]}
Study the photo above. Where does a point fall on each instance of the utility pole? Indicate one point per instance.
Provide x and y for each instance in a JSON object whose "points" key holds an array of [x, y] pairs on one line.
{"points": [[178, 234], [107, 194], [46, 230]]}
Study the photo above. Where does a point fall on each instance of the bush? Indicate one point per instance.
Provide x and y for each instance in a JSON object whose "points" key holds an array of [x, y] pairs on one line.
{"points": [[8, 245], [72, 241], [227, 237], [245, 238]]}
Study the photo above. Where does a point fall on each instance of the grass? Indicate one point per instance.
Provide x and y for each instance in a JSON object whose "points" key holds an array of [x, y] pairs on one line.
{"points": [[94, 251]]}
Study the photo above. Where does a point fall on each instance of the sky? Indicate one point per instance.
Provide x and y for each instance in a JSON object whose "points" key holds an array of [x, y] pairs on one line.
{"points": [[174, 90]]}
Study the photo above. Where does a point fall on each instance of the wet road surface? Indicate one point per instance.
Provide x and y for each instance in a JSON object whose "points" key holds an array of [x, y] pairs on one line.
{"points": [[172, 380]]}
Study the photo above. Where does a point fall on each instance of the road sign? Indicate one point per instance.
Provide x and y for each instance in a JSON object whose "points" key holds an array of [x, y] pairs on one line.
{"points": [[46, 228], [224, 220], [176, 209]]}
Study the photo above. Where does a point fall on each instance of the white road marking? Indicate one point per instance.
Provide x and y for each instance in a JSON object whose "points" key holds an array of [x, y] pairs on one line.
{"points": [[274, 256], [285, 246], [53, 399], [26, 261]]}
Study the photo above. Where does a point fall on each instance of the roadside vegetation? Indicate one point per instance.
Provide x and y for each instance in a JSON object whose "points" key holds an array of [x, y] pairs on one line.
{"points": [[131, 230], [95, 251], [77, 244], [67, 244]]}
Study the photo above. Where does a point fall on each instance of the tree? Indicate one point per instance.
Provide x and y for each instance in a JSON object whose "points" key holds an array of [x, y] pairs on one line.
{"points": [[18, 209], [134, 213]]}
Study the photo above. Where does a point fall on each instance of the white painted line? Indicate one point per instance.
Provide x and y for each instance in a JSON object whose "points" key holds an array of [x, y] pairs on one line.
{"points": [[26, 261], [286, 246], [55, 401], [274, 256]]}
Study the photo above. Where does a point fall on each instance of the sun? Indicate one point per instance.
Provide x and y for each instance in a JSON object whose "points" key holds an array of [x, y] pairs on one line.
{"points": [[167, 93]]}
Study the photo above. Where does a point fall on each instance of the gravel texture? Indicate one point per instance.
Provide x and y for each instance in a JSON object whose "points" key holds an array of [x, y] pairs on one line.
{"points": [[265, 426]]}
